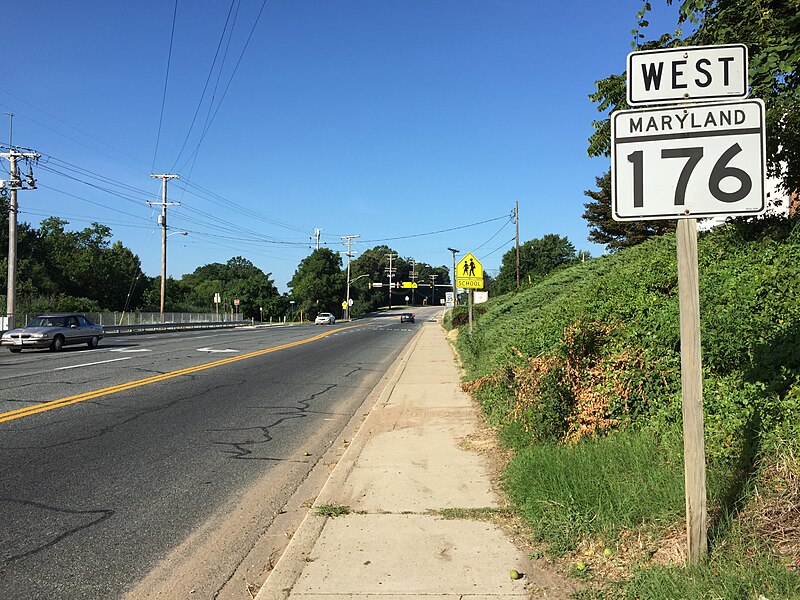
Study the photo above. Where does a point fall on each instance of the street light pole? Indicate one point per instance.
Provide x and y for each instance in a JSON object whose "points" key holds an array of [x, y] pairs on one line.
{"points": [[455, 297]]}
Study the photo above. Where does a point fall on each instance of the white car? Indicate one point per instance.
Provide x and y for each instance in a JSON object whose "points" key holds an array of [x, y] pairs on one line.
{"points": [[325, 319]]}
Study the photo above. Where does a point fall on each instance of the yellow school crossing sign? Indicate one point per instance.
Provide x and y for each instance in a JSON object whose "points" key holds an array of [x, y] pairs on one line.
{"points": [[469, 273]]}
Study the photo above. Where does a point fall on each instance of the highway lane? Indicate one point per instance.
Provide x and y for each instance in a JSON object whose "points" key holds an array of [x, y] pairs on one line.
{"points": [[96, 493]]}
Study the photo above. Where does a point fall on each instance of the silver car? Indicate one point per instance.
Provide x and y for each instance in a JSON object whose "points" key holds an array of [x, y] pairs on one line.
{"points": [[54, 332]]}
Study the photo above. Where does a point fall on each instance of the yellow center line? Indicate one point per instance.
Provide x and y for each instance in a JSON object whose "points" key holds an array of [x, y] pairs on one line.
{"points": [[53, 404]]}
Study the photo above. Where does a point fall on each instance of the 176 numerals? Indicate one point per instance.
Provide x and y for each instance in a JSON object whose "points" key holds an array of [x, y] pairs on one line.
{"points": [[721, 170]]}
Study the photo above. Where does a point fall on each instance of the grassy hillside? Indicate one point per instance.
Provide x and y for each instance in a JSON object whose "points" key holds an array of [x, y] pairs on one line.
{"points": [[580, 374]]}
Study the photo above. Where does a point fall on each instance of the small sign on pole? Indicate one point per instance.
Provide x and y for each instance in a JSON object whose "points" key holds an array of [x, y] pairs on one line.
{"points": [[469, 274]]}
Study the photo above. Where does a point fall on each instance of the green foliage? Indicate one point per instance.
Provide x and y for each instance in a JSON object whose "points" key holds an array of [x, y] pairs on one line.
{"points": [[238, 279], [333, 510], [318, 284], [537, 258], [603, 229], [76, 270], [630, 372], [373, 264]]}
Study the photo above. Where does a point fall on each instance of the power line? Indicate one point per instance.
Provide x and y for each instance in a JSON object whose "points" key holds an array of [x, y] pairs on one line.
{"points": [[79, 130], [82, 219], [205, 87], [227, 87], [491, 238], [498, 248], [166, 80], [405, 237]]}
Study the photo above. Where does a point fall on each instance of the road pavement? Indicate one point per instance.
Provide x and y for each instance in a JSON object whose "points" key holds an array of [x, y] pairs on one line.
{"points": [[170, 454]]}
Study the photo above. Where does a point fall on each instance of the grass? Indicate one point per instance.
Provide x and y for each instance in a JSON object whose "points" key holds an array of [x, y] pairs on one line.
{"points": [[733, 577], [333, 510], [473, 514], [596, 488]]}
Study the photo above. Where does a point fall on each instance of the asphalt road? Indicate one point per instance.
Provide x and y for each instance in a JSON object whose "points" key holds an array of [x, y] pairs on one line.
{"points": [[112, 458]]}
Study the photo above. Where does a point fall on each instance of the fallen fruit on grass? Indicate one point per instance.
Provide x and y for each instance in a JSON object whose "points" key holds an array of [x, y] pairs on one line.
{"points": [[514, 574], [581, 566], [607, 552]]}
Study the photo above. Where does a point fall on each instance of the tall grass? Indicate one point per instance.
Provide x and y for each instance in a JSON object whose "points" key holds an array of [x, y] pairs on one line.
{"points": [[597, 488]]}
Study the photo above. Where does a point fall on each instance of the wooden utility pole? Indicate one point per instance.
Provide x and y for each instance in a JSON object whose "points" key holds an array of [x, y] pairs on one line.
{"points": [[516, 222], [692, 391], [348, 239], [163, 220], [14, 183], [391, 256]]}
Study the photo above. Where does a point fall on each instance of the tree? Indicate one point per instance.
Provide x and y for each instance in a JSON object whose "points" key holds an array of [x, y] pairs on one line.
{"points": [[238, 279], [537, 258], [372, 264], [318, 283], [616, 234]]}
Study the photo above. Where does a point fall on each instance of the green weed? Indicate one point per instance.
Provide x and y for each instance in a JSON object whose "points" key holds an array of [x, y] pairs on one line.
{"points": [[333, 510]]}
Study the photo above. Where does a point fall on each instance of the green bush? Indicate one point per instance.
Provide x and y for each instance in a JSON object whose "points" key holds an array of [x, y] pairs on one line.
{"points": [[750, 332]]}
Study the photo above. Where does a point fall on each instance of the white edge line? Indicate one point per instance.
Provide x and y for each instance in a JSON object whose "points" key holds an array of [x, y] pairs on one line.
{"points": [[100, 362]]}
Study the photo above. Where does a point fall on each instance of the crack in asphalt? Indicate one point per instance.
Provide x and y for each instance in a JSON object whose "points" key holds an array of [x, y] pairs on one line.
{"points": [[100, 432], [242, 451], [356, 370], [103, 514]]}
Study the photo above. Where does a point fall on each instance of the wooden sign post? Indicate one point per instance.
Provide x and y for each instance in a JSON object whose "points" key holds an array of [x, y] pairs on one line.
{"points": [[694, 454], [693, 159]]}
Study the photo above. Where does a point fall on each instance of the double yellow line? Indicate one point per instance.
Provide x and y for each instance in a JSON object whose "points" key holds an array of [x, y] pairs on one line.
{"points": [[53, 404]]}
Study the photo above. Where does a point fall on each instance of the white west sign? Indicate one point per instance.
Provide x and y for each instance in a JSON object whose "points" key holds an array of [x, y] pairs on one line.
{"points": [[688, 161], [689, 74]]}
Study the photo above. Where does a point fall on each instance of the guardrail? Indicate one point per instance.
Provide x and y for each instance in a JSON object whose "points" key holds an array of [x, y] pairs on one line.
{"points": [[162, 327]]}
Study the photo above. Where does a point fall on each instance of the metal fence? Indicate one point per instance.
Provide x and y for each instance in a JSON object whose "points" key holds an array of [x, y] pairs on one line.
{"points": [[141, 318]]}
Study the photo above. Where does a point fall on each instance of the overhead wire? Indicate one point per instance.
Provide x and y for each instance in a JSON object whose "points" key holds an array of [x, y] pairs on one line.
{"points": [[79, 130], [405, 237], [166, 81], [498, 248], [506, 224], [227, 87], [205, 87], [81, 218]]}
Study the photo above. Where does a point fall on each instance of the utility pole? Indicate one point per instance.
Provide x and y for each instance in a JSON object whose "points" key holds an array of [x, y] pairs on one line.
{"points": [[163, 220], [348, 239], [14, 184], [433, 288], [317, 234], [391, 256], [413, 276], [516, 222], [455, 297]]}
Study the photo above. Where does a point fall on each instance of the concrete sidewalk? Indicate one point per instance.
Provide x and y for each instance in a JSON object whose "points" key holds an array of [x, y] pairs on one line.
{"points": [[405, 464]]}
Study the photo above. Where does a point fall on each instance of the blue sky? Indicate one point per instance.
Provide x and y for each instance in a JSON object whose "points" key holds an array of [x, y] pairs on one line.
{"points": [[384, 119]]}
